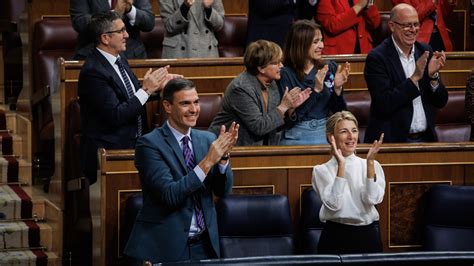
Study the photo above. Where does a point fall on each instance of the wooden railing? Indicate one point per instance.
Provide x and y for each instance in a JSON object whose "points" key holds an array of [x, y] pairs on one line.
{"points": [[213, 76]]}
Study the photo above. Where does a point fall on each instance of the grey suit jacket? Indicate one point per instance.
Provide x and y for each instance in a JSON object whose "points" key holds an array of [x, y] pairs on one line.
{"points": [[243, 103], [82, 11], [162, 226], [192, 36]]}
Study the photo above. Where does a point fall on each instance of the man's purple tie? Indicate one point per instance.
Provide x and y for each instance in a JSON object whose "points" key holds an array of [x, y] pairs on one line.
{"points": [[189, 160], [130, 93]]}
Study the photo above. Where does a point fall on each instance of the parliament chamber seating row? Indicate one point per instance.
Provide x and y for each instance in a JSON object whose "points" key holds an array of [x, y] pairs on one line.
{"points": [[56, 38], [261, 226]]}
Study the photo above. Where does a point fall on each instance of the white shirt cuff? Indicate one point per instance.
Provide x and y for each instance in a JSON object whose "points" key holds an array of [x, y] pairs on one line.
{"points": [[132, 15], [142, 96], [200, 174]]}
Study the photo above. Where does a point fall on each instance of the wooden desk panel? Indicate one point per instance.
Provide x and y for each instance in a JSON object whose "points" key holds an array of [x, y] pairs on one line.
{"points": [[409, 170]]}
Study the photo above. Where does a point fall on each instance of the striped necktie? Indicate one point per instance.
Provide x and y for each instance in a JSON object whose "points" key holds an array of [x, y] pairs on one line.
{"points": [[130, 92], [189, 160]]}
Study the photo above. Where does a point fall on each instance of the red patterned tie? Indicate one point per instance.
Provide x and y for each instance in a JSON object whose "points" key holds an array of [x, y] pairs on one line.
{"points": [[189, 160], [113, 4]]}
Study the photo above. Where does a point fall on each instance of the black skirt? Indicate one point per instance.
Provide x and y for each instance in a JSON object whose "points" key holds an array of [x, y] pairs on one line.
{"points": [[337, 238]]}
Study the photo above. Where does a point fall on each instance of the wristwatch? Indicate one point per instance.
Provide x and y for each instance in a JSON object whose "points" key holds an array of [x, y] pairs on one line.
{"points": [[435, 76]]}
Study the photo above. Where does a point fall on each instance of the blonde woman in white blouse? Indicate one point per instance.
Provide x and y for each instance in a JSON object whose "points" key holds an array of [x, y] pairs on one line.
{"points": [[349, 188]]}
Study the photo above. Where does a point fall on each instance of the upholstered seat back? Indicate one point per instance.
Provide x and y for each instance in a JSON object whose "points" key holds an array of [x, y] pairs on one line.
{"points": [[449, 219], [257, 225], [310, 225], [382, 31], [358, 103], [231, 37], [452, 123], [153, 40]]}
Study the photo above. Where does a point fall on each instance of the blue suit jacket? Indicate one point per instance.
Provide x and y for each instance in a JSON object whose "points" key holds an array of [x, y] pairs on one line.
{"points": [[162, 226], [108, 115], [391, 108]]}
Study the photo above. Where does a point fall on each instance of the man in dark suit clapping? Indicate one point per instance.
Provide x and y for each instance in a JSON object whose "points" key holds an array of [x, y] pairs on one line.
{"points": [[111, 98], [403, 79]]}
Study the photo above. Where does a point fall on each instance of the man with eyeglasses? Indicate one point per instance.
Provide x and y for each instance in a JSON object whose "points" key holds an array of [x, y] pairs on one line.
{"points": [[403, 79], [137, 16], [112, 100]]}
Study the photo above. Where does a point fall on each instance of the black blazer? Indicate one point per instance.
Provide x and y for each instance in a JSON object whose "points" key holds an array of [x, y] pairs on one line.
{"points": [[108, 115], [391, 108]]}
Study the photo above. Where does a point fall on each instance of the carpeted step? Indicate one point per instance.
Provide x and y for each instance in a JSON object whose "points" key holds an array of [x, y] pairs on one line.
{"points": [[9, 168], [24, 257], [15, 203], [19, 235]]}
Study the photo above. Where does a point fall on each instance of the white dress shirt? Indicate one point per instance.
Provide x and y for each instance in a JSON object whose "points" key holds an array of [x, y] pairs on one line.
{"points": [[418, 122], [140, 93], [350, 199]]}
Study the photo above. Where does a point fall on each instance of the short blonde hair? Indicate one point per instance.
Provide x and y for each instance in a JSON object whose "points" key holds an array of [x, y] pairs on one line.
{"points": [[261, 53], [338, 117]]}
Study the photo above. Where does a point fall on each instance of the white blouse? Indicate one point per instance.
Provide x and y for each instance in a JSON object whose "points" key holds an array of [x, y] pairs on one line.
{"points": [[351, 199]]}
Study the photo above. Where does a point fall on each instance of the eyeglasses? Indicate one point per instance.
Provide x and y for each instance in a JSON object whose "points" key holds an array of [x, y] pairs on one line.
{"points": [[408, 26], [122, 31]]}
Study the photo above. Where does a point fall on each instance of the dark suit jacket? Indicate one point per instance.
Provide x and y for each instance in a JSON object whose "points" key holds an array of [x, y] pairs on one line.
{"points": [[82, 11], [391, 108], [162, 226], [108, 115], [269, 20]]}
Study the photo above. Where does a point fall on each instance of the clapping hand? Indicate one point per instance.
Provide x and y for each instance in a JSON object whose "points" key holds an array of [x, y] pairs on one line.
{"points": [[188, 3], [342, 74], [437, 62], [295, 97], [319, 79], [156, 80], [374, 149], [220, 147], [420, 67], [336, 151], [207, 3]]}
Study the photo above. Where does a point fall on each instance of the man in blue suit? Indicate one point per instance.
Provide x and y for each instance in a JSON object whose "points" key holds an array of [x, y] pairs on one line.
{"points": [[111, 98], [403, 79], [181, 169]]}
